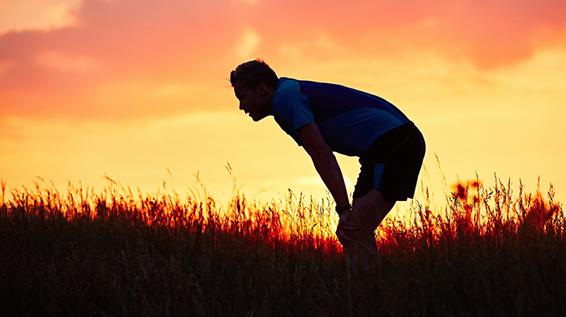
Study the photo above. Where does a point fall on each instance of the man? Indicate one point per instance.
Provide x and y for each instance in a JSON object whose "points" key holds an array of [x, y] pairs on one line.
{"points": [[323, 118]]}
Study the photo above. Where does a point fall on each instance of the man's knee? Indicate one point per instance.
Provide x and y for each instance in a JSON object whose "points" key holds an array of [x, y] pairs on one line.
{"points": [[371, 209]]}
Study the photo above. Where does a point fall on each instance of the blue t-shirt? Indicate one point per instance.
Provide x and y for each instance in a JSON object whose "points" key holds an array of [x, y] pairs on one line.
{"points": [[349, 120]]}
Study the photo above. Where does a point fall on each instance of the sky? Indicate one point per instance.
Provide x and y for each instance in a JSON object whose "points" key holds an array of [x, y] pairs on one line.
{"points": [[138, 90]]}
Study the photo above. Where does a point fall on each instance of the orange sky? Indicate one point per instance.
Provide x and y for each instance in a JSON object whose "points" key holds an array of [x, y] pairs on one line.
{"points": [[133, 88]]}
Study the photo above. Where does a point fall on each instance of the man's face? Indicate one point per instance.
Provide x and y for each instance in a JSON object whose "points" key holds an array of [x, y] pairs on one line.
{"points": [[255, 102]]}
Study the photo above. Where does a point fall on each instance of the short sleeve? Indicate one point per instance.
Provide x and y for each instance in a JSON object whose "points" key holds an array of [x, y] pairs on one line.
{"points": [[291, 111]]}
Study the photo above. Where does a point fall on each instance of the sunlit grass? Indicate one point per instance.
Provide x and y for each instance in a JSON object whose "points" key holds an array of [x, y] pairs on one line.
{"points": [[120, 251]]}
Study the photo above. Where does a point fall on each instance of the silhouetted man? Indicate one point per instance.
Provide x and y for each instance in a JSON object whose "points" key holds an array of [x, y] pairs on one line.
{"points": [[324, 118]]}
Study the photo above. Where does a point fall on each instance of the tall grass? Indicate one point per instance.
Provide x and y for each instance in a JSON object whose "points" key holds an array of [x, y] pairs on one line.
{"points": [[488, 251]]}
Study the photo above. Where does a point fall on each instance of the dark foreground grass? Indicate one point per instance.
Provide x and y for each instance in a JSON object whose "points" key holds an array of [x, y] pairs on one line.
{"points": [[82, 254]]}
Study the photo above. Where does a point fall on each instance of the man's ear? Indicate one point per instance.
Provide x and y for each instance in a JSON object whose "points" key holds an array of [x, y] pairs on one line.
{"points": [[263, 89]]}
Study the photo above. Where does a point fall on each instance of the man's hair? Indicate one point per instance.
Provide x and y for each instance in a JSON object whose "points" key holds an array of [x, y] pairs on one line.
{"points": [[251, 73]]}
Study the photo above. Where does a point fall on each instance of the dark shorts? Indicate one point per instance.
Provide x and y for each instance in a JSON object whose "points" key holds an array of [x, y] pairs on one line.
{"points": [[392, 164]]}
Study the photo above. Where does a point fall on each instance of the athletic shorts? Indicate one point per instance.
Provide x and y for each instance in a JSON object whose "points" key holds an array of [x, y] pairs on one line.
{"points": [[392, 164]]}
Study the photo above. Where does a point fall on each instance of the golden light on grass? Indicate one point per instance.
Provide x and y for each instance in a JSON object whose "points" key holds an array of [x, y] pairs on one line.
{"points": [[471, 209], [138, 252]]}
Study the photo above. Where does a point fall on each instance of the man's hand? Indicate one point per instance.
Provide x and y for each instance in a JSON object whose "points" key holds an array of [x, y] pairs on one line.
{"points": [[324, 162], [340, 209]]}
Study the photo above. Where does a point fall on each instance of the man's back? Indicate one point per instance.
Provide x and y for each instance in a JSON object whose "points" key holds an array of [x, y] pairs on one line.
{"points": [[350, 120]]}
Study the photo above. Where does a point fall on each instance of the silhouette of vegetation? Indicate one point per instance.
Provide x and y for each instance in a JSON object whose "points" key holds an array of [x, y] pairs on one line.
{"points": [[488, 252]]}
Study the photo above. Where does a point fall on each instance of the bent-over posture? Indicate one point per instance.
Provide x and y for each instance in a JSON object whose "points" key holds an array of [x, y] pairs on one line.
{"points": [[324, 118]]}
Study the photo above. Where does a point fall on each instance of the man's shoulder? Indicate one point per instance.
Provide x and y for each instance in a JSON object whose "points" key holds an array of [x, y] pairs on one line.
{"points": [[287, 90], [286, 85]]}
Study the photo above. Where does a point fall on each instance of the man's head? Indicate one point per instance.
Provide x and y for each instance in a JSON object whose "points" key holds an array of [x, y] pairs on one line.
{"points": [[254, 83]]}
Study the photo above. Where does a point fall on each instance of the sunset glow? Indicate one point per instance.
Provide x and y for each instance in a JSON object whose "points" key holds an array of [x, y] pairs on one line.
{"points": [[138, 90]]}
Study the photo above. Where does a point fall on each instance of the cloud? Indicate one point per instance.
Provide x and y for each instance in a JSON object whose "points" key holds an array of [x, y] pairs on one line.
{"points": [[66, 71], [128, 33], [62, 63], [36, 14], [124, 58], [490, 34], [4, 67], [250, 2], [248, 44]]}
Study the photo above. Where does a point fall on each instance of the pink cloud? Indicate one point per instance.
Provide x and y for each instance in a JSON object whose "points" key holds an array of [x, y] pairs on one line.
{"points": [[61, 72], [127, 32], [36, 14], [488, 33], [137, 40]]}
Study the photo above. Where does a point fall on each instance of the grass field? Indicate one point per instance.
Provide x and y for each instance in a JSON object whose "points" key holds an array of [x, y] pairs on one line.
{"points": [[489, 251]]}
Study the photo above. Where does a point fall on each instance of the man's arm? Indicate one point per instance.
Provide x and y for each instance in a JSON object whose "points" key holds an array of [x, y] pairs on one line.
{"points": [[324, 162]]}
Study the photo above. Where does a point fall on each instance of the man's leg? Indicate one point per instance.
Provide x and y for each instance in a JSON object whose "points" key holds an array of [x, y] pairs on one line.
{"points": [[356, 229]]}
